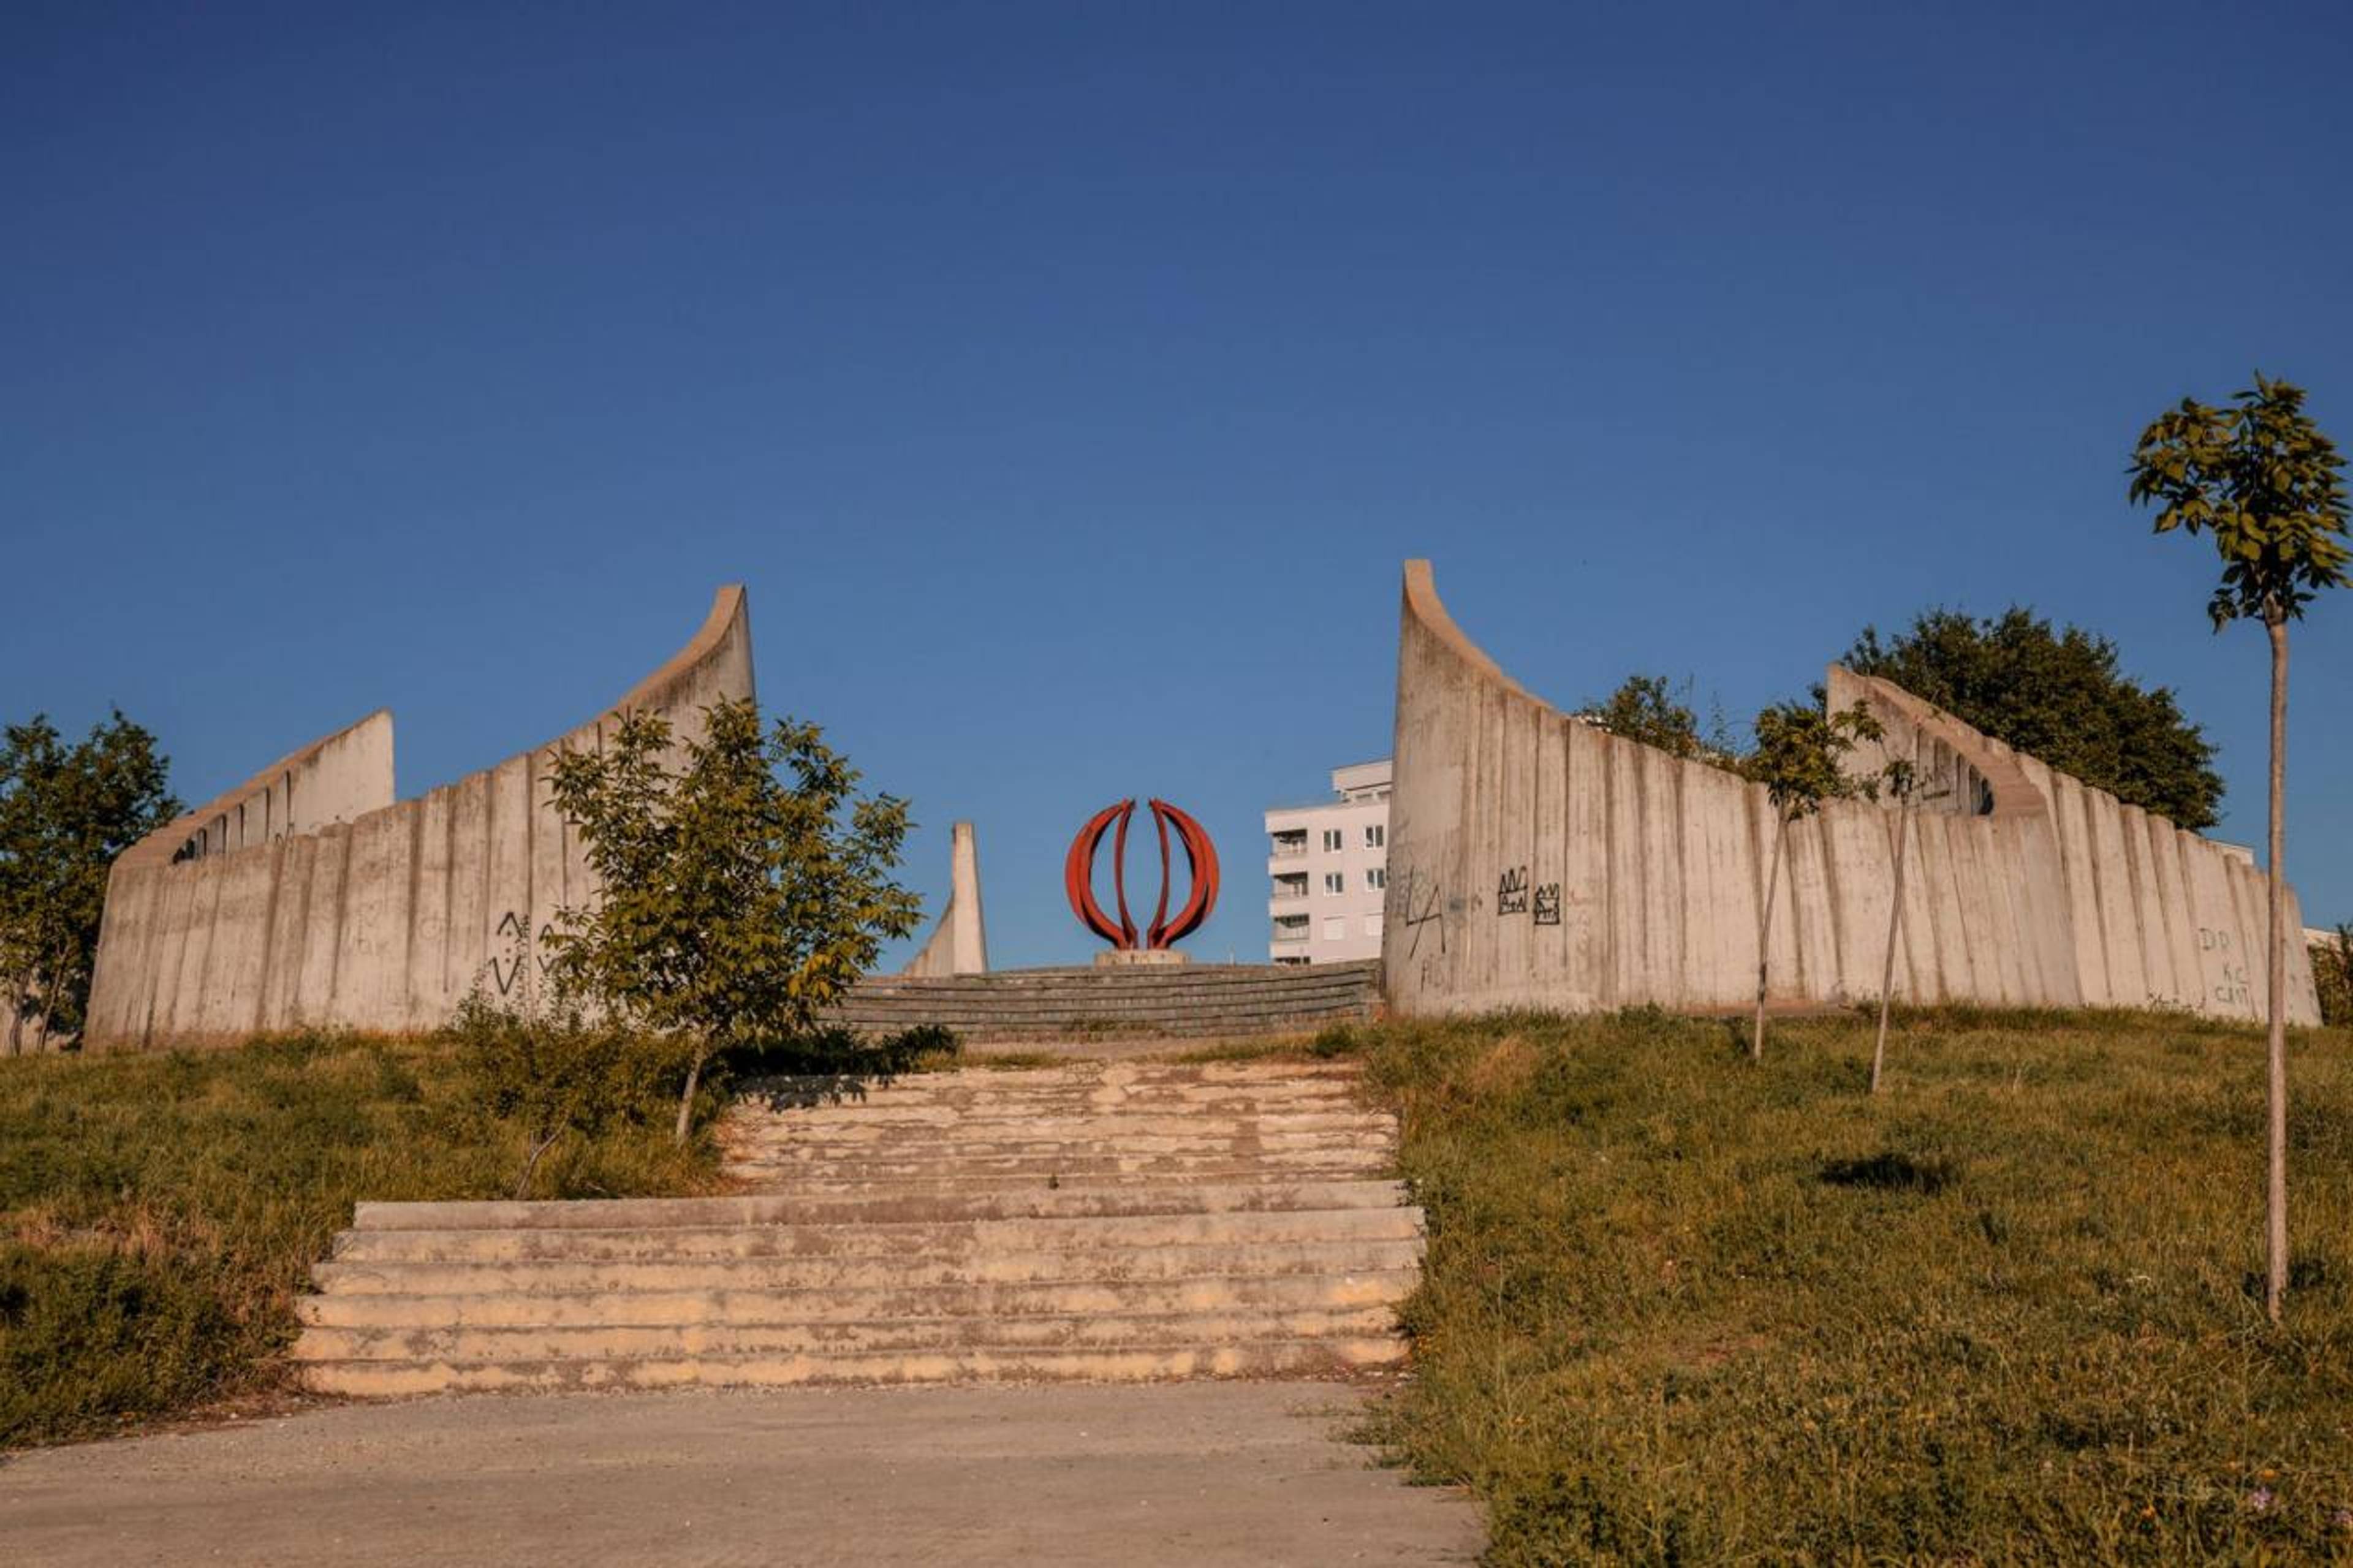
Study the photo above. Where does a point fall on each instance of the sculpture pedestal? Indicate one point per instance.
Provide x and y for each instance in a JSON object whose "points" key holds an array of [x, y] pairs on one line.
{"points": [[1138, 957]]}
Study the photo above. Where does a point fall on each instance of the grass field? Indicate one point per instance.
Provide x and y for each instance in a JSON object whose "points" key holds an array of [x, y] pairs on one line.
{"points": [[1684, 1309], [158, 1214]]}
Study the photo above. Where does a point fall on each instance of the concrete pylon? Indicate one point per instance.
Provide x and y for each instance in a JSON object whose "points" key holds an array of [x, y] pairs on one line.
{"points": [[959, 943]]}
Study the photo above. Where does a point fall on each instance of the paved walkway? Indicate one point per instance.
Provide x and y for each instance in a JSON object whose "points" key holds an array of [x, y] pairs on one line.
{"points": [[1201, 1473]]}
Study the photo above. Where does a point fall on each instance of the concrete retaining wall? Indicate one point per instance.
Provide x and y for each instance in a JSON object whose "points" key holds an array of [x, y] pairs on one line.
{"points": [[1537, 861], [1198, 999], [308, 896]]}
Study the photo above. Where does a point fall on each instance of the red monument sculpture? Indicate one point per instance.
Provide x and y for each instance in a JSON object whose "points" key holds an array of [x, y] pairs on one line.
{"points": [[1079, 876]]}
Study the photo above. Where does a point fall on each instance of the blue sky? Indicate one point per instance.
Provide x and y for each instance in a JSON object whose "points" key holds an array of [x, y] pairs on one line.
{"points": [[1068, 383]]}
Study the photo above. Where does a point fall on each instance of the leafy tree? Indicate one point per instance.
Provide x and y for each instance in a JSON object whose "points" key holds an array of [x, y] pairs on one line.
{"points": [[2058, 695], [65, 812], [1799, 756], [2332, 975], [1644, 709], [2268, 484], [1647, 709], [737, 904]]}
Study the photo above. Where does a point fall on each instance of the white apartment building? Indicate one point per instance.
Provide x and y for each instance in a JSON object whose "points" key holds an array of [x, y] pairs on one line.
{"points": [[1329, 863]]}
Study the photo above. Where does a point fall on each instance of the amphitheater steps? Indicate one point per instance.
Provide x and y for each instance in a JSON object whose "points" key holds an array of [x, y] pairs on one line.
{"points": [[1044, 1005], [1096, 1221]]}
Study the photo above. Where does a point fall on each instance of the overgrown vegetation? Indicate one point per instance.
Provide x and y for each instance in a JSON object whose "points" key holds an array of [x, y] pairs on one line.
{"points": [[158, 1214], [65, 812], [2332, 975], [1683, 1307], [742, 890]]}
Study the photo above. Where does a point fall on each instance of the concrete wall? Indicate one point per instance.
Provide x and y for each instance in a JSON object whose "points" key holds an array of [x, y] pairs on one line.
{"points": [[308, 896], [1537, 861], [959, 943]]}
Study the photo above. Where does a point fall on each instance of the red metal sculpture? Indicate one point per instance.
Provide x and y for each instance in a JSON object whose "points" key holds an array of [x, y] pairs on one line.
{"points": [[1201, 860]]}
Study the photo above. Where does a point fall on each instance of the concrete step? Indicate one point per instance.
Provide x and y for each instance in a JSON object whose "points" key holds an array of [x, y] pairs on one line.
{"points": [[443, 1279], [1221, 1142], [1329, 1357], [1141, 1298], [803, 1209], [1081, 1233], [1100, 1331], [882, 1118], [949, 1166], [828, 1183]]}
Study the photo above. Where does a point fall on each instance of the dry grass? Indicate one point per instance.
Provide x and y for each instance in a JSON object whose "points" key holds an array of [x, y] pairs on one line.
{"points": [[1680, 1307], [158, 1214]]}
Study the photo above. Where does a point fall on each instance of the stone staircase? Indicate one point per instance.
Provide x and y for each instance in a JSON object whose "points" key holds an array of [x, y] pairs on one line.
{"points": [[1039, 1005], [1097, 1220]]}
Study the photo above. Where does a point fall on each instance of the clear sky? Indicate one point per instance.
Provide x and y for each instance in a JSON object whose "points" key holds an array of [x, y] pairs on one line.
{"points": [[1068, 383]]}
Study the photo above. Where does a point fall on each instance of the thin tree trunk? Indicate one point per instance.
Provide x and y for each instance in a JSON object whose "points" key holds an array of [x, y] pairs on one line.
{"points": [[1764, 936], [2275, 1279], [1894, 935], [522, 1184], [686, 1100], [17, 985]]}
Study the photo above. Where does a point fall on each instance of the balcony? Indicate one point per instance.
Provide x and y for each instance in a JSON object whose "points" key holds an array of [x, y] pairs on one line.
{"points": [[1288, 848]]}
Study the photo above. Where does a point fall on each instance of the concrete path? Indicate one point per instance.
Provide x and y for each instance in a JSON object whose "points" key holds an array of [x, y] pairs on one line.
{"points": [[1200, 1473]]}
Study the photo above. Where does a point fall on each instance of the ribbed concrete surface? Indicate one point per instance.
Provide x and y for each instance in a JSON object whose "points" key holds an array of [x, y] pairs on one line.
{"points": [[1101, 1222]]}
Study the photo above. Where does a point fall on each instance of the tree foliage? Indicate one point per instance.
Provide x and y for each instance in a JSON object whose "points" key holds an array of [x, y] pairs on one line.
{"points": [[2058, 695], [1800, 758], [65, 812], [1800, 755], [1644, 709], [2266, 482], [2332, 975], [745, 886]]}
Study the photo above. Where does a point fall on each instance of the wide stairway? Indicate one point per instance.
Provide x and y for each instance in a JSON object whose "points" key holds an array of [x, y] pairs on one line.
{"points": [[1097, 1220]]}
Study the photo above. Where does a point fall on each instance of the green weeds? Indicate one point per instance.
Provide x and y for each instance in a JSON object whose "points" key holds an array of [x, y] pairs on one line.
{"points": [[158, 1214], [1683, 1307]]}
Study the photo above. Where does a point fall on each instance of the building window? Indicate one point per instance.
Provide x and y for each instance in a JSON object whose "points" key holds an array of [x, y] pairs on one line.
{"points": [[1332, 839], [1335, 882], [1376, 876], [1375, 835], [1372, 925], [1336, 929]]}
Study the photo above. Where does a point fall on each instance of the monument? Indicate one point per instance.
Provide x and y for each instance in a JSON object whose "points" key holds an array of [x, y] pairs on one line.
{"points": [[1155, 943]]}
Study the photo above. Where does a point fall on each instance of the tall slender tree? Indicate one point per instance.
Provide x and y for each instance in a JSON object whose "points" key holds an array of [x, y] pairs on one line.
{"points": [[2264, 480], [1900, 778], [1799, 759]]}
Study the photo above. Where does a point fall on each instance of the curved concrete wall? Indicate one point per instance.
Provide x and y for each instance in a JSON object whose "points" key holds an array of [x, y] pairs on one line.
{"points": [[309, 897], [959, 943], [1537, 861]]}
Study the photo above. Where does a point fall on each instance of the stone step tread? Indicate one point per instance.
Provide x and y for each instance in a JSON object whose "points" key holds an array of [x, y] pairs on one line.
{"points": [[884, 1239], [798, 1182], [1039, 1265], [890, 1116], [816, 1150], [1331, 1356], [507, 1342], [575, 1307], [1043, 1164], [1040, 1203]]}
